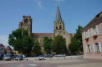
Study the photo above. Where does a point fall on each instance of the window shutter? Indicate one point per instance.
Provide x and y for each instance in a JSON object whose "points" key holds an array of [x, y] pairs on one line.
{"points": [[87, 50], [84, 34], [100, 49], [97, 30], [90, 48], [93, 48], [101, 27]]}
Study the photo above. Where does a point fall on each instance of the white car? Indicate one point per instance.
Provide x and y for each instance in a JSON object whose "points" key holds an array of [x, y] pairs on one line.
{"points": [[41, 57], [8, 57]]}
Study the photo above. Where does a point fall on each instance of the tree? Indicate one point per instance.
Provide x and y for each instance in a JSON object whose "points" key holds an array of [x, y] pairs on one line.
{"points": [[59, 45], [75, 46], [47, 45], [21, 41], [37, 48]]}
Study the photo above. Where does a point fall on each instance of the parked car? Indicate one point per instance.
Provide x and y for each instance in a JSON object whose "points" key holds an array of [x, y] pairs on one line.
{"points": [[41, 57], [60, 55], [19, 57], [49, 55], [24, 56], [13, 57], [7, 57]]}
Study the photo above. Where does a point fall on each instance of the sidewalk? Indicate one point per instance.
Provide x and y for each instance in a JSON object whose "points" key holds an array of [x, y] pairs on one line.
{"points": [[99, 64]]}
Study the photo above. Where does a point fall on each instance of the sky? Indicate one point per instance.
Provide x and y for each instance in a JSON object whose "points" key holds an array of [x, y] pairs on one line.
{"points": [[43, 13]]}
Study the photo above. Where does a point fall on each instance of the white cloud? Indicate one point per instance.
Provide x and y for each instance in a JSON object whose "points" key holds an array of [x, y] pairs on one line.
{"points": [[39, 3], [4, 39]]}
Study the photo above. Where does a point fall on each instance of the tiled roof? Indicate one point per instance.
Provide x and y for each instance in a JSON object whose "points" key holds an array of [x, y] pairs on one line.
{"points": [[42, 34], [1, 45], [8, 48], [95, 21]]}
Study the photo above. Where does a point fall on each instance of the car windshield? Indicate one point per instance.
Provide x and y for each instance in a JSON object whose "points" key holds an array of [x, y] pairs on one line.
{"points": [[8, 55]]}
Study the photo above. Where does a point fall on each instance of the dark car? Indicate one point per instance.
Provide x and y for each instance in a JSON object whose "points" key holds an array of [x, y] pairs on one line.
{"points": [[19, 57], [7, 57]]}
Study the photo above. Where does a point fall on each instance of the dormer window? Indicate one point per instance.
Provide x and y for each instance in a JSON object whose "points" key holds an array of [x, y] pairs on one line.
{"points": [[99, 15]]}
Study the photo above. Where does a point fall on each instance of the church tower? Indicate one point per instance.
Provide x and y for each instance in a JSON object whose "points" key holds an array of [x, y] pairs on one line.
{"points": [[59, 28], [26, 24]]}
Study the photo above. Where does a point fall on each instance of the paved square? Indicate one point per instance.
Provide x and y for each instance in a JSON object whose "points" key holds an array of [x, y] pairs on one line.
{"points": [[52, 63]]}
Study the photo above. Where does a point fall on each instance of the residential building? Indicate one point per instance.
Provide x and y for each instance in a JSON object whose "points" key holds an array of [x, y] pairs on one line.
{"points": [[92, 38], [2, 49], [8, 49]]}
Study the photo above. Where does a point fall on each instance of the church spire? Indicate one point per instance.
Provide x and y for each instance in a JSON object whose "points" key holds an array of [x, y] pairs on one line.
{"points": [[58, 15]]}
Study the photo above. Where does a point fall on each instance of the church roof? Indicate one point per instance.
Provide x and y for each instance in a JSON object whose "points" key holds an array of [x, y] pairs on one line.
{"points": [[58, 15], [42, 34]]}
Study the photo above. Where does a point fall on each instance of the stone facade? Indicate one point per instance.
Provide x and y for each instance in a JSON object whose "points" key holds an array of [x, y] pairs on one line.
{"points": [[59, 29], [26, 24], [92, 38]]}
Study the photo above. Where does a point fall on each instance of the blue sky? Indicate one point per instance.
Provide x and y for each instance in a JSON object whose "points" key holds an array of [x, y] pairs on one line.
{"points": [[43, 12]]}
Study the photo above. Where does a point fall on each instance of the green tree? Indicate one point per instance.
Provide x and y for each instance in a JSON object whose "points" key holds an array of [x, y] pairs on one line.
{"points": [[75, 46], [21, 41], [59, 45], [47, 45], [37, 48]]}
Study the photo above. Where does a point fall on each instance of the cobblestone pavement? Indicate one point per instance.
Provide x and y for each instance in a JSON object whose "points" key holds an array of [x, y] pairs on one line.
{"points": [[52, 63]]}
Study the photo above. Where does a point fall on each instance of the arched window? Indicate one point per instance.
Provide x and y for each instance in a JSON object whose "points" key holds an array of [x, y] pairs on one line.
{"points": [[26, 20], [56, 28]]}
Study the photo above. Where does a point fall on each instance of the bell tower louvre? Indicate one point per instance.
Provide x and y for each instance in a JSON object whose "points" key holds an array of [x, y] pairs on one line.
{"points": [[59, 28]]}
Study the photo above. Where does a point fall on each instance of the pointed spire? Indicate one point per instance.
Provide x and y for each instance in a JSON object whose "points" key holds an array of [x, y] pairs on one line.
{"points": [[58, 15]]}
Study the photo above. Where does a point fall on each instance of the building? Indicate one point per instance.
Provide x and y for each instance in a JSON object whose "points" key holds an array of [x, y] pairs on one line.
{"points": [[59, 29], [92, 38], [9, 50], [26, 24], [2, 49]]}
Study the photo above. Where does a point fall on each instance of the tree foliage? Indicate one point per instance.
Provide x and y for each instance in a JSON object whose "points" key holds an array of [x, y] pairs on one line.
{"points": [[21, 41], [47, 45], [37, 48], [75, 46], [59, 45]]}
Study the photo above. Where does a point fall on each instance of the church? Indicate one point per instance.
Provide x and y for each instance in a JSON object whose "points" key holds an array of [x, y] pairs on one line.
{"points": [[59, 29]]}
